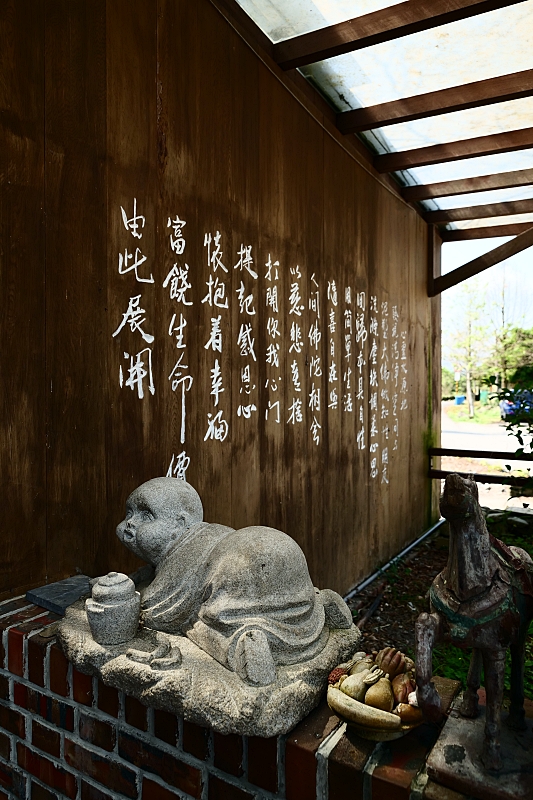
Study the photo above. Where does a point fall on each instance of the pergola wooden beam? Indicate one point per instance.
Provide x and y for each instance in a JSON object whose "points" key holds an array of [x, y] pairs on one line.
{"points": [[456, 98], [477, 265], [479, 212], [487, 232], [454, 151], [384, 25], [483, 183]]}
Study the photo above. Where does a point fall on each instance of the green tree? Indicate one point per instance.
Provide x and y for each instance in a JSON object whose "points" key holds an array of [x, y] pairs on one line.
{"points": [[470, 341], [519, 356]]}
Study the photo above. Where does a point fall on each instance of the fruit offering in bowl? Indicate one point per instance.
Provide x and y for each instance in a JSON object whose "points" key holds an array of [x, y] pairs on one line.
{"points": [[376, 695]]}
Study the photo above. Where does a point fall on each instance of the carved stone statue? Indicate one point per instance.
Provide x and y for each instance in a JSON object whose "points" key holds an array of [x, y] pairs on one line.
{"points": [[482, 600], [214, 603], [245, 596]]}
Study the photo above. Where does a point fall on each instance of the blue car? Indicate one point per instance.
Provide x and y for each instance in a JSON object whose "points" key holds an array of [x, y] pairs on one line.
{"points": [[519, 402]]}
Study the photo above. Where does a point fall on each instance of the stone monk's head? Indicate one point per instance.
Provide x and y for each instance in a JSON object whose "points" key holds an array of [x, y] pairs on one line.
{"points": [[157, 515]]}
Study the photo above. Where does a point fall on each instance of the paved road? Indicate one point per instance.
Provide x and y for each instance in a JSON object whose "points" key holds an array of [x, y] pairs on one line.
{"points": [[472, 436]]}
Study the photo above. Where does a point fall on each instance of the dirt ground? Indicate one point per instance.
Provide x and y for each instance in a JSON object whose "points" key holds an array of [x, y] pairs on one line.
{"points": [[396, 599], [404, 595]]}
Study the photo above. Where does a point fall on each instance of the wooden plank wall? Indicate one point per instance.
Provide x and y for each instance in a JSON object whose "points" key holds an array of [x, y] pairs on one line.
{"points": [[159, 106]]}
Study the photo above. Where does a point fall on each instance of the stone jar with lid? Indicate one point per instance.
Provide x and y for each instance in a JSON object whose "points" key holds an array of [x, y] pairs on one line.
{"points": [[113, 610]]}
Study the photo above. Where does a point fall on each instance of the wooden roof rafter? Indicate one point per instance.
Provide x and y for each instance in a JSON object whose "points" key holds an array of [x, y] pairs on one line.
{"points": [[483, 232], [479, 212], [394, 22], [454, 151], [443, 101], [477, 265], [482, 183]]}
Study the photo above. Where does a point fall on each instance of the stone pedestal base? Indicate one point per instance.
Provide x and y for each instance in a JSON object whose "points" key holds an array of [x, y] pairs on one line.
{"points": [[455, 760], [200, 688]]}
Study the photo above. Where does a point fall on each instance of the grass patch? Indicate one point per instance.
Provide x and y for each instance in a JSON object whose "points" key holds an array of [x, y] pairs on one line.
{"points": [[483, 415]]}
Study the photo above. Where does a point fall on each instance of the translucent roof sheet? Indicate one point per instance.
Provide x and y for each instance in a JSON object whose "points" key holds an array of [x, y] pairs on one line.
{"points": [[485, 46], [283, 19]]}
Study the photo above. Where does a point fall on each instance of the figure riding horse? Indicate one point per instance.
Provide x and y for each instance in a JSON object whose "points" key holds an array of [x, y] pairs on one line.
{"points": [[482, 600]]}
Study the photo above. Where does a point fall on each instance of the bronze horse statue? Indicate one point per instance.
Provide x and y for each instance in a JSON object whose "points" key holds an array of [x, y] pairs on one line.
{"points": [[483, 600]]}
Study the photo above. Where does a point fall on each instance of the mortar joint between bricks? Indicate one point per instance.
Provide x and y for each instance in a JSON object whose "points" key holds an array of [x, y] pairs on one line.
{"points": [[94, 692], [281, 763], [243, 783], [205, 783], [13, 748], [179, 746], [25, 656], [150, 720], [98, 752], [46, 666], [4, 645], [210, 757], [70, 681], [245, 756], [121, 706]]}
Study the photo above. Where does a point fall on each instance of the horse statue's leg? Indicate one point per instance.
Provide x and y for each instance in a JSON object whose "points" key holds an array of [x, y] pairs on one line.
{"points": [[469, 706], [516, 719], [427, 633], [494, 666]]}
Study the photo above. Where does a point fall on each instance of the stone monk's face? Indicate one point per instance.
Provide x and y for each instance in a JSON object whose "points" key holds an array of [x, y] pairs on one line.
{"points": [[150, 527]]}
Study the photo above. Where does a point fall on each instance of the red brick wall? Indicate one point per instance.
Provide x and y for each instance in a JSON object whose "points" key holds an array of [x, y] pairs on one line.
{"points": [[65, 734]]}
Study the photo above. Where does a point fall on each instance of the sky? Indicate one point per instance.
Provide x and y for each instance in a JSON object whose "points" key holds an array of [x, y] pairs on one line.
{"points": [[515, 275]]}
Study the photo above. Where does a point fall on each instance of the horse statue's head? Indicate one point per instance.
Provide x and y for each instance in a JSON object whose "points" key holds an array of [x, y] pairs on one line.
{"points": [[470, 566], [460, 498]]}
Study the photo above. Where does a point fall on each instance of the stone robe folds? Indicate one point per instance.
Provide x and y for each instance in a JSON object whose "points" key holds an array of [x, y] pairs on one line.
{"points": [[217, 583]]}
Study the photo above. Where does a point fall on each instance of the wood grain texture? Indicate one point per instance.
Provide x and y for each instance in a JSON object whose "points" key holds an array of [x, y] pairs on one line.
{"points": [[22, 283], [161, 103], [76, 358], [134, 427]]}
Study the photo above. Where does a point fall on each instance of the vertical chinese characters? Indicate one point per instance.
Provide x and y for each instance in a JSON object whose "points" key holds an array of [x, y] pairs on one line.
{"points": [[373, 382], [361, 335], [347, 398], [384, 391], [217, 301], [296, 308], [133, 225], [273, 338], [315, 360], [177, 281], [246, 336], [138, 376], [333, 368], [404, 371]]}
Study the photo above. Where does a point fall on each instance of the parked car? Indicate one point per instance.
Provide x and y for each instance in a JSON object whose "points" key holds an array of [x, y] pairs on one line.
{"points": [[518, 402]]}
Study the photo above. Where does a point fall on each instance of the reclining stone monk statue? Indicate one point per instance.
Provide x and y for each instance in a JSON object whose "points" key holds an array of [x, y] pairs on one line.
{"points": [[243, 596]]}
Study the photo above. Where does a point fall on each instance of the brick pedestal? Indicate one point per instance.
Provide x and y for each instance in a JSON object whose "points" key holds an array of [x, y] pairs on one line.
{"points": [[65, 734]]}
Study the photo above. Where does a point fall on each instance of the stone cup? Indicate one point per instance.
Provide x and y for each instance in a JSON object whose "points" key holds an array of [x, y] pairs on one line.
{"points": [[113, 610]]}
